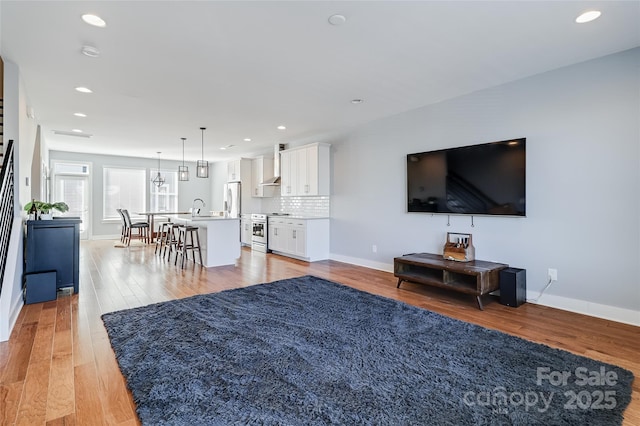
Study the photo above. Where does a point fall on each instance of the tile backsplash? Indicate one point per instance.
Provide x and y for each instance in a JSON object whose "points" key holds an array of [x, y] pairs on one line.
{"points": [[304, 206]]}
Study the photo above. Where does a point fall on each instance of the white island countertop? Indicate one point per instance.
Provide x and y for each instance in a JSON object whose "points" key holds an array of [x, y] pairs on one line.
{"points": [[199, 218], [296, 216], [219, 237]]}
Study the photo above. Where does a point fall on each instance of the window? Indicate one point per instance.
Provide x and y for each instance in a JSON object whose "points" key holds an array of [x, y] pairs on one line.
{"points": [[123, 189], [165, 198], [70, 169]]}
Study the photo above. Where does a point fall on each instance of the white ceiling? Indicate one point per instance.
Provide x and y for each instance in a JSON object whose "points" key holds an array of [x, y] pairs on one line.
{"points": [[242, 68]]}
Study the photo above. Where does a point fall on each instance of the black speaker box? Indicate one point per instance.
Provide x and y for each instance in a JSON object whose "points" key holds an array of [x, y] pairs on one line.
{"points": [[513, 286], [39, 287]]}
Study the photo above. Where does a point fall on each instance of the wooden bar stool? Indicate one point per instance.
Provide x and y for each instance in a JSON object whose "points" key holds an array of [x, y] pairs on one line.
{"points": [[161, 239], [186, 243], [171, 240]]}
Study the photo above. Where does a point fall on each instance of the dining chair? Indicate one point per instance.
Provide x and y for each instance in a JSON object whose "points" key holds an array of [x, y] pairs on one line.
{"points": [[142, 227], [123, 231]]}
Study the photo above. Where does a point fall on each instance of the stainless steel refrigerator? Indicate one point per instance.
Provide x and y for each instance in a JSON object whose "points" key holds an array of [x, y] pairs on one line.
{"points": [[232, 199]]}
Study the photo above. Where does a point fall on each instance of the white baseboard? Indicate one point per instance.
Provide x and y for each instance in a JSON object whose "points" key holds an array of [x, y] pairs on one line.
{"points": [[613, 313], [11, 295], [598, 310], [386, 267]]}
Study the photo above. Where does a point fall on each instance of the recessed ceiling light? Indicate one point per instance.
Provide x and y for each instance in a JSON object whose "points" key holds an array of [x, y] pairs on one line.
{"points": [[94, 20], [247, 139], [357, 101], [337, 19], [282, 128], [84, 90], [90, 51], [588, 16], [79, 114], [76, 130], [226, 147]]}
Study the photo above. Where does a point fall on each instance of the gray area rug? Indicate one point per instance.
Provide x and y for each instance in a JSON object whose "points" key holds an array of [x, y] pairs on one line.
{"points": [[307, 351]]}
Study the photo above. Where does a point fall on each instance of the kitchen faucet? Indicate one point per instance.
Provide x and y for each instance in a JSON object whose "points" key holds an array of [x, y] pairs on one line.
{"points": [[194, 211]]}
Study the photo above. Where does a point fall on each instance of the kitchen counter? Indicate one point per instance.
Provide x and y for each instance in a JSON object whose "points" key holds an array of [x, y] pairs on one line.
{"points": [[299, 236], [199, 218], [219, 237], [293, 216]]}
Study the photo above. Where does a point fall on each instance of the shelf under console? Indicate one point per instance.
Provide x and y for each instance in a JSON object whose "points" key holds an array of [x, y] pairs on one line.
{"points": [[477, 277]]}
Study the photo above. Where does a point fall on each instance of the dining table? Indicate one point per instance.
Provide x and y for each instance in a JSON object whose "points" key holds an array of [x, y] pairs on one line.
{"points": [[151, 220]]}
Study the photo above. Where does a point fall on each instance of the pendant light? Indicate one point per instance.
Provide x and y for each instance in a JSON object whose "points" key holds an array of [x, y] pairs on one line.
{"points": [[158, 180], [183, 171], [202, 169]]}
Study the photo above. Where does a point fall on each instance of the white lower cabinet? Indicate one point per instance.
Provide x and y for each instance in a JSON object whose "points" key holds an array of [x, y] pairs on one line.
{"points": [[295, 237], [306, 239], [246, 232], [276, 238]]}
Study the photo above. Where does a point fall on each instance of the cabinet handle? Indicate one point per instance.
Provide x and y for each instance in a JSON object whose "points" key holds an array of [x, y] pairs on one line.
{"points": [[294, 234]]}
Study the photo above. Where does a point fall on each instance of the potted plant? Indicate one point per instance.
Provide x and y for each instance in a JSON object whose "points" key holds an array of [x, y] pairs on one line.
{"points": [[44, 209]]}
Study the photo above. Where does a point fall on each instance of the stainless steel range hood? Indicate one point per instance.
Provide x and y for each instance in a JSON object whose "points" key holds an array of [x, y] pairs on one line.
{"points": [[275, 180]]}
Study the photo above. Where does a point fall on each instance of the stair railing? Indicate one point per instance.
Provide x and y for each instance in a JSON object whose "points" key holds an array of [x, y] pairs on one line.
{"points": [[6, 207]]}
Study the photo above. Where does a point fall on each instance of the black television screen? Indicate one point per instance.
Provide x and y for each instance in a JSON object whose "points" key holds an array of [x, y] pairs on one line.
{"points": [[485, 179]]}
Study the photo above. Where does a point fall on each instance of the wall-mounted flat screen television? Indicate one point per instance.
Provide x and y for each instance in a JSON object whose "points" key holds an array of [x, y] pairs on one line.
{"points": [[484, 179]]}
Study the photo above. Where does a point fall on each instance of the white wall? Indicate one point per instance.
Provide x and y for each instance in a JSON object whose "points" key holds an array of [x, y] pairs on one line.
{"points": [[218, 176], [20, 128], [582, 125]]}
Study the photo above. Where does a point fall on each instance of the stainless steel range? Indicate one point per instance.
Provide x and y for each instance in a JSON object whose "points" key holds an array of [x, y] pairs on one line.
{"points": [[260, 231]]}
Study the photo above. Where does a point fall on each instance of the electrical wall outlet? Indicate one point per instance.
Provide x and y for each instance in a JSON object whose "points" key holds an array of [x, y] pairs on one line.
{"points": [[374, 248], [553, 274]]}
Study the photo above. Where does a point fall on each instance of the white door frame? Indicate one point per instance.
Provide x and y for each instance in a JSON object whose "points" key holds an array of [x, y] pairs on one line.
{"points": [[89, 178]]}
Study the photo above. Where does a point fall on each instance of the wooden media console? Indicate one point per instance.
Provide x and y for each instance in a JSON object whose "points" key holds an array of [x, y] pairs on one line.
{"points": [[476, 277]]}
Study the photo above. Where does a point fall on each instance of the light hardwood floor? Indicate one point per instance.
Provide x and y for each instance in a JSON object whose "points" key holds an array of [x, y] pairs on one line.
{"points": [[58, 366]]}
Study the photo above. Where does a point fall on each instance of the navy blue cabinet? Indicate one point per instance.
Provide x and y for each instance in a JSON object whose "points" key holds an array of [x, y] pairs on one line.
{"points": [[54, 245]]}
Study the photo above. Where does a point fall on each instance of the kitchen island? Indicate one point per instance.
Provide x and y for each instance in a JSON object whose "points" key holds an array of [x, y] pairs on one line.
{"points": [[219, 237]]}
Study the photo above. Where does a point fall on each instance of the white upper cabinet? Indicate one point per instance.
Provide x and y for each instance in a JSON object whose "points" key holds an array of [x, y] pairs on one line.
{"points": [[233, 170], [261, 170], [305, 170], [286, 183], [239, 170]]}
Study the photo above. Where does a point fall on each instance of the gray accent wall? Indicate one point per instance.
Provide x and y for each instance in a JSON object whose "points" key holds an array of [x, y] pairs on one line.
{"points": [[187, 191], [582, 125]]}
